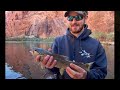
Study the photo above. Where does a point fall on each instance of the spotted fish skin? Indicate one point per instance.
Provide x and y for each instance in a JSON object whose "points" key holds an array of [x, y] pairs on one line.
{"points": [[62, 61]]}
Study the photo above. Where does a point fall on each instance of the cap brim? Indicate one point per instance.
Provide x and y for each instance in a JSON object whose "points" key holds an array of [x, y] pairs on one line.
{"points": [[67, 13]]}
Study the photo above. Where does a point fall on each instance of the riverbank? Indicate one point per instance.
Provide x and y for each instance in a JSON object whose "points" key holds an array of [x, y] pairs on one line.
{"points": [[45, 40], [107, 42], [26, 39], [49, 41], [27, 42], [7, 41]]}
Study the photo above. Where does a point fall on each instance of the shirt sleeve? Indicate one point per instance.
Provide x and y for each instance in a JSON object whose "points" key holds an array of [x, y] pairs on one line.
{"points": [[99, 68]]}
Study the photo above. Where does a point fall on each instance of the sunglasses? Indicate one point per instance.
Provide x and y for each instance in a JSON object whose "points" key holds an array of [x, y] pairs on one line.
{"points": [[77, 18]]}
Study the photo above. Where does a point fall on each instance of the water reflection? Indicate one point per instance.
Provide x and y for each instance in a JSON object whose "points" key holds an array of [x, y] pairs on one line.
{"points": [[22, 63], [11, 74], [18, 57], [110, 57]]}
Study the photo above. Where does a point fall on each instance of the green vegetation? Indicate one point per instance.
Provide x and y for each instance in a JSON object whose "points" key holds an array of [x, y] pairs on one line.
{"points": [[102, 36], [49, 39], [96, 34]]}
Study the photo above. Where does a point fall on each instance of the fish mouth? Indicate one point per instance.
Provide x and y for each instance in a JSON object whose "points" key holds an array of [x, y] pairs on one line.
{"points": [[31, 52]]}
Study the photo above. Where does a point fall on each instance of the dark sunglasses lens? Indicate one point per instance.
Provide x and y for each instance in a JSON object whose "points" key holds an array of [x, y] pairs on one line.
{"points": [[80, 17], [70, 18], [77, 18]]}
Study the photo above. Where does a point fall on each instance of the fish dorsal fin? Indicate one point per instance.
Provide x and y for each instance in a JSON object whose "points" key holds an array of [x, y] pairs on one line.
{"points": [[65, 57]]}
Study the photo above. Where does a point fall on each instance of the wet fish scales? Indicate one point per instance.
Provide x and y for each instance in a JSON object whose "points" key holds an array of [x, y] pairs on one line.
{"points": [[62, 61]]}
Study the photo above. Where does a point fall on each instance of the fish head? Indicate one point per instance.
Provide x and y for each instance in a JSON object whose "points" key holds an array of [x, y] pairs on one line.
{"points": [[39, 51], [34, 53]]}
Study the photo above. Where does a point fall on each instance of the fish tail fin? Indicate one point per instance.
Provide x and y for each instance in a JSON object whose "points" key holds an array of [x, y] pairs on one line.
{"points": [[88, 65]]}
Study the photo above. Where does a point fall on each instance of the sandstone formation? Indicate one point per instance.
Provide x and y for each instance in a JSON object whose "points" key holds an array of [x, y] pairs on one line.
{"points": [[44, 24]]}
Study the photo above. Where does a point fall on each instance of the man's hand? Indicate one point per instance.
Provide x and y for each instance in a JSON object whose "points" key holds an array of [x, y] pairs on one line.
{"points": [[48, 61], [76, 72]]}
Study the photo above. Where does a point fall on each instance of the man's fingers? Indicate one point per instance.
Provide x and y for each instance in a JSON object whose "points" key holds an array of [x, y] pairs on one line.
{"points": [[53, 64], [49, 62], [76, 72], [72, 73], [37, 58], [76, 68], [46, 58], [69, 72], [49, 49]]}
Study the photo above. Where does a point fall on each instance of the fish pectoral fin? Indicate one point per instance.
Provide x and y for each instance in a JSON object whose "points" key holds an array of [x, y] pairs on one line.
{"points": [[88, 65], [42, 66], [61, 71]]}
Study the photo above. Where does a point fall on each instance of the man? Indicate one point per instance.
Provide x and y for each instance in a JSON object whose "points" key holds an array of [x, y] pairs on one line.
{"points": [[80, 47]]}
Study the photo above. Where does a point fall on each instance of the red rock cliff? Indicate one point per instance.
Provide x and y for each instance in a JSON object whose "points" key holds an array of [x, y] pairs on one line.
{"points": [[51, 23]]}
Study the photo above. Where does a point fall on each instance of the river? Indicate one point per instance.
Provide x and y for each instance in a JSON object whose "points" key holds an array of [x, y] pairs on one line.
{"points": [[19, 63]]}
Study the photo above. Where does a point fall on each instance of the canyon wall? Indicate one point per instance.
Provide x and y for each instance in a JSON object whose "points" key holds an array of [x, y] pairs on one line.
{"points": [[45, 24]]}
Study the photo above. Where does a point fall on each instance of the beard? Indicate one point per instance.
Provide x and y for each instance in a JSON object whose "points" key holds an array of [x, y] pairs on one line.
{"points": [[76, 28]]}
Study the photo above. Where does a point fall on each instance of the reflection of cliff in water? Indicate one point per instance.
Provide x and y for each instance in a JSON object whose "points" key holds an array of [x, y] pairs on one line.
{"points": [[17, 55]]}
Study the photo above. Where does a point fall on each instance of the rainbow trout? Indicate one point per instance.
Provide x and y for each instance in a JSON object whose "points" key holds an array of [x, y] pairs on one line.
{"points": [[62, 61]]}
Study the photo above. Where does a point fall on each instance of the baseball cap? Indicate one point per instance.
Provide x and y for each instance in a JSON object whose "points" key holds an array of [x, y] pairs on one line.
{"points": [[79, 12]]}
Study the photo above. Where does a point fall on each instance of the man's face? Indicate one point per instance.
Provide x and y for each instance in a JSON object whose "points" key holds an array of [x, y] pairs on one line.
{"points": [[76, 25]]}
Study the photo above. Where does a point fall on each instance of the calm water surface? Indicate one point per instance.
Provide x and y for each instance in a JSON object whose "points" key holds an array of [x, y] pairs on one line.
{"points": [[19, 63]]}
